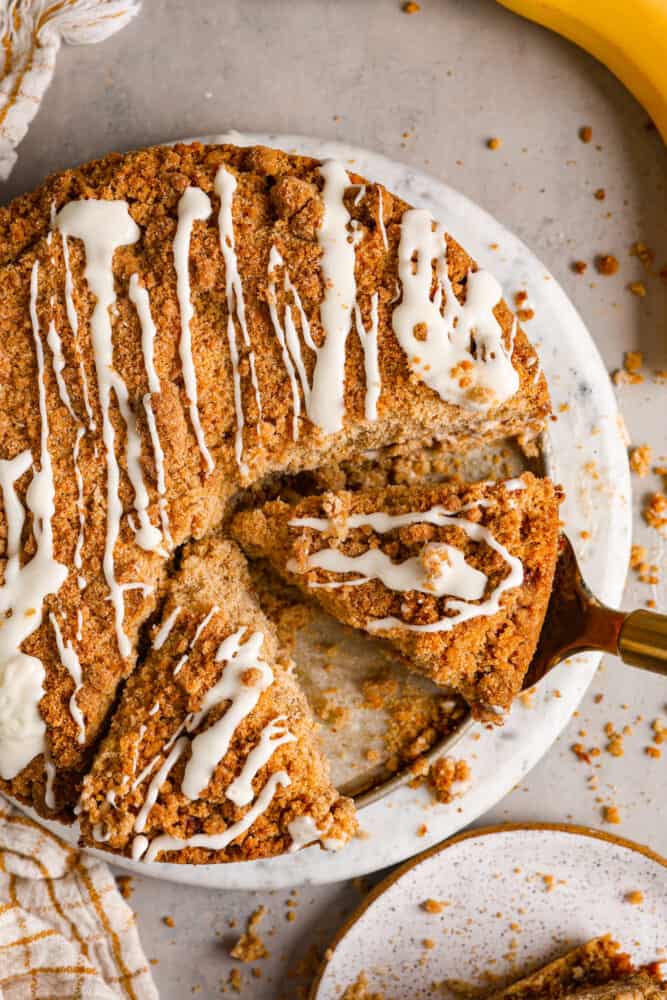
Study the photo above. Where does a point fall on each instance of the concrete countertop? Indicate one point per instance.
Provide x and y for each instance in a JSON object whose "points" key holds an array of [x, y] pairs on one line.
{"points": [[427, 89]]}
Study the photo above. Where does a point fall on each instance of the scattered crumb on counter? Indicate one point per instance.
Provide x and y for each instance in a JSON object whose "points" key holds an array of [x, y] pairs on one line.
{"points": [[434, 905], [125, 886], [494, 142], [606, 264], [250, 947], [640, 460], [586, 133], [410, 7], [168, 921], [635, 897], [579, 266], [637, 288], [611, 814]]}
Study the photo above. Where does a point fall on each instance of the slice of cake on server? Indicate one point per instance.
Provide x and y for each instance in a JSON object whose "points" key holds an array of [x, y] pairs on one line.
{"points": [[457, 577]]}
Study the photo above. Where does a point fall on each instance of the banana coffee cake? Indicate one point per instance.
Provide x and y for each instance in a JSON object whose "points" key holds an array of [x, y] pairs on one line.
{"points": [[179, 325]]}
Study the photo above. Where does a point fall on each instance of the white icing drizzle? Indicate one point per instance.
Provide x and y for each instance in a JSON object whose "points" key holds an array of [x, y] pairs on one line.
{"points": [[50, 775], [161, 482], [215, 841], [104, 226], [383, 231], [200, 628], [79, 625], [273, 735], [288, 337], [73, 320], [451, 328], [454, 576], [369, 342], [80, 508], [194, 206], [463, 611], [360, 195], [225, 186], [303, 830], [139, 847], [25, 586], [155, 709], [327, 398], [161, 776], [140, 298], [58, 363], [211, 745], [70, 660], [100, 834], [512, 485], [166, 627]]}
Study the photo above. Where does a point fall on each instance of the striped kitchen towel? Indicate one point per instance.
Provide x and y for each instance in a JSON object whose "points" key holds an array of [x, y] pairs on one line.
{"points": [[31, 32], [65, 931]]}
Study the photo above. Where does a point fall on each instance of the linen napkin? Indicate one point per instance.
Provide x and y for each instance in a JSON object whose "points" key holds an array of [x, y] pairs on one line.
{"points": [[65, 931], [31, 32]]}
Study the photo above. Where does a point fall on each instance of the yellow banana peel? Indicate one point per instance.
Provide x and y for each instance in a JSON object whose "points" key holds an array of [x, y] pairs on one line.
{"points": [[628, 36]]}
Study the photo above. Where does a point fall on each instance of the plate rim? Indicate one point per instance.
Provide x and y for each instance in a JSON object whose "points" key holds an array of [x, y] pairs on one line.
{"points": [[386, 883]]}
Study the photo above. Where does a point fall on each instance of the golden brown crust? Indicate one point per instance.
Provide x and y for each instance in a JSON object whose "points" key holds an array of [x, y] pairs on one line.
{"points": [[484, 658], [277, 202]]}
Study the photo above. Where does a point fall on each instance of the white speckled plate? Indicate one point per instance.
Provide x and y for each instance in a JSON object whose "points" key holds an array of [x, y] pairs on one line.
{"points": [[516, 898], [586, 436]]}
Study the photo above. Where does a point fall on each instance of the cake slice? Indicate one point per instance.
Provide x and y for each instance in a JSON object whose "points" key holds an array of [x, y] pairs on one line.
{"points": [[457, 577], [597, 970], [211, 754]]}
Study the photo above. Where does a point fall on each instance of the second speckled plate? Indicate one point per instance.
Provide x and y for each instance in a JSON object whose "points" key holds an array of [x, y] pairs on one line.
{"points": [[516, 897]]}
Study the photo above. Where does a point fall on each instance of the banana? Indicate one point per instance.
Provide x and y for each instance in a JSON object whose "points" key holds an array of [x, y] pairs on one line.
{"points": [[628, 36]]}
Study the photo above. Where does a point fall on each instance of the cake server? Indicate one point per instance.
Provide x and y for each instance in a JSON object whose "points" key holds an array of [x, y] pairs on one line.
{"points": [[575, 622]]}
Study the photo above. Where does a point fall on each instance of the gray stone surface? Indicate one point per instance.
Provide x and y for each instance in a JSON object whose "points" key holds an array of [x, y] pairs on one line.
{"points": [[428, 90]]}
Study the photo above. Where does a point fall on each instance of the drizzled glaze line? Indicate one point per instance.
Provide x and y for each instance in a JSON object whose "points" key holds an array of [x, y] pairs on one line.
{"points": [[58, 364], [210, 746], [215, 841], [104, 226], [193, 206], [70, 660], [383, 231], [369, 342], [224, 186], [288, 337], [443, 358], [198, 631], [273, 735], [165, 629], [382, 522], [177, 751], [73, 320], [327, 400], [80, 508], [26, 585]]}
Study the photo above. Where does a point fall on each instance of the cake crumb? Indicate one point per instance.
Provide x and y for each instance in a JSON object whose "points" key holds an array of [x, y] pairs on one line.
{"points": [[125, 886], [611, 814], [579, 266], [433, 906], [235, 980], [410, 7], [250, 947], [637, 288], [444, 773], [494, 142], [635, 897], [640, 460], [600, 194], [586, 133], [168, 921], [655, 511], [606, 264]]}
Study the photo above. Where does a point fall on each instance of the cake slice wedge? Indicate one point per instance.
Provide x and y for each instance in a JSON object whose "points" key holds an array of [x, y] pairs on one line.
{"points": [[456, 576], [211, 754], [596, 970]]}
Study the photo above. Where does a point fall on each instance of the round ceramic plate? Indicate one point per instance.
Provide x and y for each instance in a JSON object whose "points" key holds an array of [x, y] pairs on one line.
{"points": [[587, 455], [516, 897]]}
